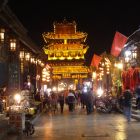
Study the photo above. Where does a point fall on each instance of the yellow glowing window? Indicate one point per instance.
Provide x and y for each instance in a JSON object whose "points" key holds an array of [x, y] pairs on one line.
{"points": [[65, 41]]}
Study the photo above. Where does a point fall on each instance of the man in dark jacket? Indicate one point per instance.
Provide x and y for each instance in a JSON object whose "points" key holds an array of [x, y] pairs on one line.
{"points": [[127, 96], [61, 101], [89, 100]]}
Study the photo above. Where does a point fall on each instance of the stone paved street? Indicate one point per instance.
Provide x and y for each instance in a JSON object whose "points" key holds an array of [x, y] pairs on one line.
{"points": [[79, 126]]}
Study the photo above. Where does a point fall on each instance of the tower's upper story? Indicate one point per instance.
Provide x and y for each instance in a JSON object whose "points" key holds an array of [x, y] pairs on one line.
{"points": [[65, 42], [64, 30], [65, 27]]}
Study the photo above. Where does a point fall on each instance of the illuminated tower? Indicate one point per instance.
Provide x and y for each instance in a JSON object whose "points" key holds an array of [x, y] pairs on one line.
{"points": [[66, 48]]}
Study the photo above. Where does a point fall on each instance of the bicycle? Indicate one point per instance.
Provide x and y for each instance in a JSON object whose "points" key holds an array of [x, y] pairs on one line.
{"points": [[29, 127]]}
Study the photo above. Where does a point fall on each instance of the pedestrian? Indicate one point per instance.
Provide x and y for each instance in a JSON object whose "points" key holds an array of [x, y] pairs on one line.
{"points": [[37, 97], [127, 97], [61, 101], [71, 100], [53, 102], [89, 101], [78, 98], [137, 92], [82, 100], [47, 105]]}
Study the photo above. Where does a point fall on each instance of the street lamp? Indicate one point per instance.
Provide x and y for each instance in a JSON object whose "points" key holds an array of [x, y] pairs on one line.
{"points": [[127, 56], [134, 54], [118, 77], [32, 60], [21, 55], [27, 56], [12, 45], [94, 75], [2, 31], [119, 65]]}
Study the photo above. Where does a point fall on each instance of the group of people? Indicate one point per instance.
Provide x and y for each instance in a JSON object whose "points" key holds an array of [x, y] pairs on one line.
{"points": [[84, 99], [87, 99], [50, 102], [71, 99]]}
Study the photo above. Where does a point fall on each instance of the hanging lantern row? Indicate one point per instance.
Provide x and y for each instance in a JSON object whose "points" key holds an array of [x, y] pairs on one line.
{"points": [[104, 68], [22, 55], [28, 57], [46, 75]]}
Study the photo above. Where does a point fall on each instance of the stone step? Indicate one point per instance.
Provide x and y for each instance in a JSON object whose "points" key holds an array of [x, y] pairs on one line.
{"points": [[133, 102], [133, 107], [136, 117], [134, 111]]}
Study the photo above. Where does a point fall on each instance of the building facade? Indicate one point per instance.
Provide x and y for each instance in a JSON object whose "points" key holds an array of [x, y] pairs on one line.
{"points": [[130, 55], [20, 60]]}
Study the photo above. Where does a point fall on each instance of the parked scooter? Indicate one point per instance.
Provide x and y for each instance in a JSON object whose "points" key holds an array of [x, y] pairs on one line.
{"points": [[102, 102], [114, 102]]}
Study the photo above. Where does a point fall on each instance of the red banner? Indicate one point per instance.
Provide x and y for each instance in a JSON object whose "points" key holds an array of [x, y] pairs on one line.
{"points": [[118, 43], [95, 60]]}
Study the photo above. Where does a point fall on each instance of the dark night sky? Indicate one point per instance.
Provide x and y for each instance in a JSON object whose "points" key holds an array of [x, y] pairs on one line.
{"points": [[99, 19]]}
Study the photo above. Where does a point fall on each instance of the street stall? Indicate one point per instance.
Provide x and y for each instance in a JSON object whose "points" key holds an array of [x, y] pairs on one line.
{"points": [[20, 107], [16, 114]]}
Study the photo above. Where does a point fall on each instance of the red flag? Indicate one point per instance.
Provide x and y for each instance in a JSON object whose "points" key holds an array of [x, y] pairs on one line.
{"points": [[95, 60], [118, 43]]}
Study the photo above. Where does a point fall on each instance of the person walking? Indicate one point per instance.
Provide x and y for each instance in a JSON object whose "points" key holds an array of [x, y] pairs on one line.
{"points": [[61, 101], [53, 102], [89, 101], [127, 97], [71, 100], [137, 92]]}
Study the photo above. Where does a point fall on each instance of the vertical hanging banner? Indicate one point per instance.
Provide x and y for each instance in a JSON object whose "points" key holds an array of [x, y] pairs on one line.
{"points": [[118, 43]]}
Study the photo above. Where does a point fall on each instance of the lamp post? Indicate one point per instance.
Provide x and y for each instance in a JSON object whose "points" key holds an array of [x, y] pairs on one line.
{"points": [[2, 37], [14, 71], [94, 76], [21, 56], [104, 75], [118, 68]]}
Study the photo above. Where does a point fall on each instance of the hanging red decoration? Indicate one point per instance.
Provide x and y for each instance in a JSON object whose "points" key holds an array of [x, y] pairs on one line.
{"points": [[124, 73]]}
